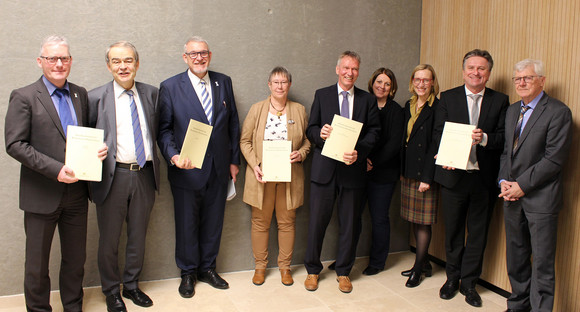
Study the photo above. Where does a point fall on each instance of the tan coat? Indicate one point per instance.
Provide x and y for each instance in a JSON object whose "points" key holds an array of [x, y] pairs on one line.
{"points": [[251, 146]]}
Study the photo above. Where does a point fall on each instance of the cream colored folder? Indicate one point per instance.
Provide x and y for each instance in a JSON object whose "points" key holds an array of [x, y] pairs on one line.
{"points": [[276, 165], [195, 142], [455, 145], [82, 147], [342, 139]]}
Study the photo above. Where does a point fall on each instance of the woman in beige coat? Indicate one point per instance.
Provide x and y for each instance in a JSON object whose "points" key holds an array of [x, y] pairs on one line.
{"points": [[275, 118]]}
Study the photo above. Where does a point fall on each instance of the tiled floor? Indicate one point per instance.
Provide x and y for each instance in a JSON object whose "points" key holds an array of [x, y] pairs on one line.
{"points": [[385, 291]]}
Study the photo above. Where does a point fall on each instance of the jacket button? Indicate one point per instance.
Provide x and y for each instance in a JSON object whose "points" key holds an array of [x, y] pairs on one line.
{"points": [[419, 145], [419, 159], [419, 173]]}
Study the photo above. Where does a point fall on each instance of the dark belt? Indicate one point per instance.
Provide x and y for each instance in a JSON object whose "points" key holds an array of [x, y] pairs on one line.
{"points": [[134, 166]]}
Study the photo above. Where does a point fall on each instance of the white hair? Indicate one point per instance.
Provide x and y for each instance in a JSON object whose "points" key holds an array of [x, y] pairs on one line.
{"points": [[523, 64], [194, 39], [53, 39]]}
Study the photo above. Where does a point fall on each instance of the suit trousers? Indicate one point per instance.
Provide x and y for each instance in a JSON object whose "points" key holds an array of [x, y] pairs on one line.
{"points": [[71, 218], [274, 200], [199, 219], [130, 200], [530, 235], [322, 199], [470, 200]]}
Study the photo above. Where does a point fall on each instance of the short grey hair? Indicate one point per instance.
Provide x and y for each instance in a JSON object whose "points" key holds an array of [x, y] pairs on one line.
{"points": [[53, 39], [124, 44], [352, 54], [537, 64], [194, 39], [282, 71]]}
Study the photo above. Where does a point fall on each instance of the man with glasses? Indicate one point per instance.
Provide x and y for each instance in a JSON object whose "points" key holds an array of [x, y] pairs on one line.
{"points": [[126, 110], [199, 194], [538, 137], [50, 194], [468, 196]]}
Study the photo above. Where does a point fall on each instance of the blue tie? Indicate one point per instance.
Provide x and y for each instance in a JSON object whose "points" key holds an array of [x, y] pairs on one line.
{"points": [[137, 135], [64, 112], [206, 99], [344, 107]]}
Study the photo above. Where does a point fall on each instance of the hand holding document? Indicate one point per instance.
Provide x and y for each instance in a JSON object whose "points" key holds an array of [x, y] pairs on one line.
{"points": [[276, 164], [195, 143], [82, 147], [342, 139], [455, 145]]}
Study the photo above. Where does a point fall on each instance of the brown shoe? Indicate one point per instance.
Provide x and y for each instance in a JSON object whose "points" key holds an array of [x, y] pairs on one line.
{"points": [[286, 276], [259, 277], [344, 284], [311, 282]]}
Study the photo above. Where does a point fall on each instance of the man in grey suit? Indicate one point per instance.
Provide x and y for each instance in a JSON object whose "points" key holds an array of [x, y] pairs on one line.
{"points": [[126, 111], [50, 194], [538, 137]]}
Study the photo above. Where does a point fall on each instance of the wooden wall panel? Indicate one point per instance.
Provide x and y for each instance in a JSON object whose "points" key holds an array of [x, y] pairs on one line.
{"points": [[511, 31]]}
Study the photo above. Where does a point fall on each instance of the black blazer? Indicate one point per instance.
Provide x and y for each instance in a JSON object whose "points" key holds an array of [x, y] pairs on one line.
{"points": [[417, 154], [385, 156], [453, 107], [324, 107]]}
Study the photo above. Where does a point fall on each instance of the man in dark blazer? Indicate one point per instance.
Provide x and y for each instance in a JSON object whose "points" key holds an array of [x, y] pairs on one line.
{"points": [[127, 189], [538, 138], [470, 195], [199, 194], [50, 194], [332, 180]]}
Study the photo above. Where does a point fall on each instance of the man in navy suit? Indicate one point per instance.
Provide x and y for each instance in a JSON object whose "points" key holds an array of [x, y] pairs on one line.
{"points": [[130, 172], [199, 195], [332, 180], [538, 138]]}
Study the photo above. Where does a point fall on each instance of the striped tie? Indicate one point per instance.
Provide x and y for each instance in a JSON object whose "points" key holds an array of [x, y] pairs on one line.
{"points": [[206, 99], [518, 130], [137, 135]]}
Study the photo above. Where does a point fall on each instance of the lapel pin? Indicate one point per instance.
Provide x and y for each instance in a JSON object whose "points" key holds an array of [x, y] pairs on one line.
{"points": [[290, 121], [217, 84], [76, 95], [224, 102]]}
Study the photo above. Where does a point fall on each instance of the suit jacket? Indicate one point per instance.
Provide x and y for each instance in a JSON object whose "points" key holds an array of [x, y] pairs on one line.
{"points": [[453, 107], [417, 153], [542, 149], [178, 103], [34, 136], [324, 107], [385, 156], [251, 146], [102, 115]]}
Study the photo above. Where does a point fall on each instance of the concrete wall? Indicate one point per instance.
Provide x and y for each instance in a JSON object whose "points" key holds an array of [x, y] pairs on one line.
{"points": [[247, 39]]}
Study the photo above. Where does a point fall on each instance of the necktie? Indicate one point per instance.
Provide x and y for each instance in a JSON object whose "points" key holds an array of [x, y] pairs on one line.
{"points": [[518, 131], [137, 135], [206, 99], [474, 117], [64, 112], [344, 107]]}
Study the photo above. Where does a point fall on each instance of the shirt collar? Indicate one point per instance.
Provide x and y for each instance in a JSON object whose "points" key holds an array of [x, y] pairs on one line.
{"points": [[468, 92], [340, 90], [119, 90], [51, 87], [195, 80], [535, 101]]}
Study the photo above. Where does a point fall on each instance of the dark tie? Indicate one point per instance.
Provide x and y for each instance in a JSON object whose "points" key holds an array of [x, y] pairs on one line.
{"points": [[344, 107], [206, 99], [137, 135], [523, 111], [64, 112], [474, 117]]}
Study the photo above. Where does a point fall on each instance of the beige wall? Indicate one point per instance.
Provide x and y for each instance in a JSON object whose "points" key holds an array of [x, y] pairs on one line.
{"points": [[511, 31], [248, 38]]}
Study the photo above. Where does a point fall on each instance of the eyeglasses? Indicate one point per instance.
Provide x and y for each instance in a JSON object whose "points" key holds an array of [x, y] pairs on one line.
{"points": [[527, 79], [193, 55], [54, 59], [418, 81], [127, 61], [279, 83]]}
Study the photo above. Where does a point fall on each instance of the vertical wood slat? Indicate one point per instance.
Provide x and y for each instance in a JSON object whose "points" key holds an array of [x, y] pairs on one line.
{"points": [[511, 31]]}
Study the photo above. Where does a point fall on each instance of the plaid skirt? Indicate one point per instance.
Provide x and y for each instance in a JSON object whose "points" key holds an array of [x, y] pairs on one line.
{"points": [[417, 207]]}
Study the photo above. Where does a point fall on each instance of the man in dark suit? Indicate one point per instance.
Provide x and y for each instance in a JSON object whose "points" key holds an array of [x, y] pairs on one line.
{"points": [[332, 180], [126, 111], [470, 195], [199, 194], [538, 138], [50, 194]]}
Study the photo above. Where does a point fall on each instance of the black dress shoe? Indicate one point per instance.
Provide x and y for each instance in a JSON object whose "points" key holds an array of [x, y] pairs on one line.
{"points": [[332, 266], [115, 303], [449, 289], [471, 297], [414, 280], [371, 271], [138, 297], [427, 270], [212, 278], [186, 289]]}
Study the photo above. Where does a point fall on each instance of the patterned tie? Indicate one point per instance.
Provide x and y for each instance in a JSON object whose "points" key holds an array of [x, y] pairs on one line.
{"points": [[206, 99], [474, 117], [64, 110], [137, 135], [518, 131], [344, 107]]}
